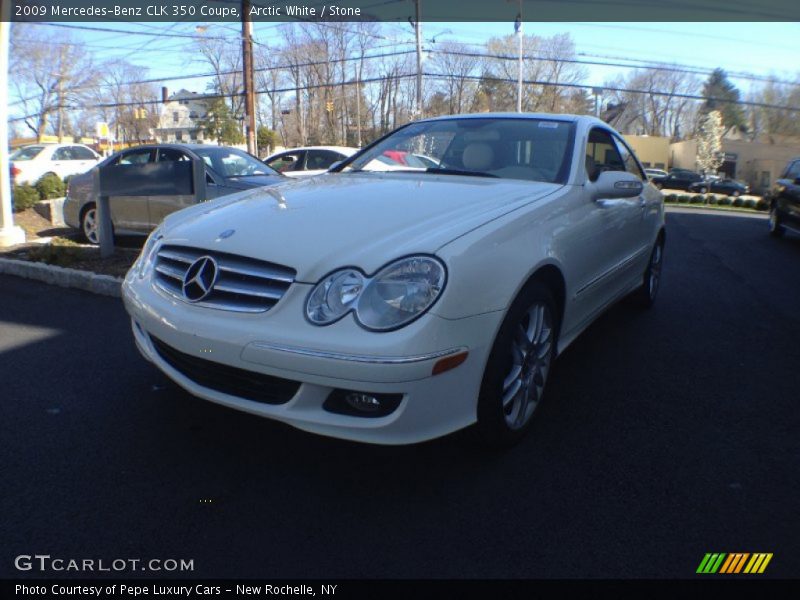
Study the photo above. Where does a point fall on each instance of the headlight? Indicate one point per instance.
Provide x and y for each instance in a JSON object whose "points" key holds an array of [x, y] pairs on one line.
{"points": [[334, 296], [148, 251], [396, 295]]}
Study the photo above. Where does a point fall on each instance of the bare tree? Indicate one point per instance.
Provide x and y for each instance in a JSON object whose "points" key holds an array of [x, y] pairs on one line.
{"points": [[48, 77], [224, 56], [133, 104], [457, 65]]}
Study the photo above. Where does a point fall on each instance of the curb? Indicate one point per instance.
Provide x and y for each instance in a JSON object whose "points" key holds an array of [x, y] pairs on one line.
{"points": [[105, 285]]}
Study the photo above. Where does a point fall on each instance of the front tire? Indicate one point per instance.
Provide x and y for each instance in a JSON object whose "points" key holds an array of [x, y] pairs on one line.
{"points": [[775, 227], [646, 295], [703, 190], [518, 366]]}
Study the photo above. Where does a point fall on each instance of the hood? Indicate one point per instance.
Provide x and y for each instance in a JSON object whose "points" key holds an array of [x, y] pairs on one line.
{"points": [[323, 223]]}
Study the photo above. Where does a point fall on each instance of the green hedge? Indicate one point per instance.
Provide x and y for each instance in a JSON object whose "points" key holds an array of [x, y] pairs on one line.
{"points": [[51, 186], [25, 196]]}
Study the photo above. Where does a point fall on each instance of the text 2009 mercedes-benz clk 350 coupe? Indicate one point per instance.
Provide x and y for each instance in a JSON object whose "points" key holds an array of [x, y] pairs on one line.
{"points": [[391, 303]]}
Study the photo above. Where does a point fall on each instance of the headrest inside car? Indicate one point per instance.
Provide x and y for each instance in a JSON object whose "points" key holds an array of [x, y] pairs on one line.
{"points": [[478, 157]]}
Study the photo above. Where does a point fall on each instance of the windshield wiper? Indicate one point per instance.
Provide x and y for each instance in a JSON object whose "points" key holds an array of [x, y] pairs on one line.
{"points": [[443, 171]]}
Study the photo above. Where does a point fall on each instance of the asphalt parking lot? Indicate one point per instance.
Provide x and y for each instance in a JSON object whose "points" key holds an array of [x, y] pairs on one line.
{"points": [[666, 434]]}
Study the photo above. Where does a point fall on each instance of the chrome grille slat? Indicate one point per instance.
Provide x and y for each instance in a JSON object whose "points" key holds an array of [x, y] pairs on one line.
{"points": [[169, 271], [243, 284]]}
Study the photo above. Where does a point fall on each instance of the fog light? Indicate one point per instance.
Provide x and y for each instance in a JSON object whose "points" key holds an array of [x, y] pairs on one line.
{"points": [[362, 404]]}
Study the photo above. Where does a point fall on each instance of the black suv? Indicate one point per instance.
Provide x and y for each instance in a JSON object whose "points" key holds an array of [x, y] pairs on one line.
{"points": [[678, 179], [784, 200]]}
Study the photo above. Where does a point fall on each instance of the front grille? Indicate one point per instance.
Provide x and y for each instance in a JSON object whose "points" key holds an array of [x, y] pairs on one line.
{"points": [[228, 380], [243, 284]]}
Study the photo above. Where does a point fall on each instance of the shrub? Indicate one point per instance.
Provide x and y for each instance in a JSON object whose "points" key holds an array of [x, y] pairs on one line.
{"points": [[738, 202], [712, 199], [750, 203], [762, 204], [25, 196], [697, 199], [725, 201], [50, 186], [683, 198], [671, 198]]}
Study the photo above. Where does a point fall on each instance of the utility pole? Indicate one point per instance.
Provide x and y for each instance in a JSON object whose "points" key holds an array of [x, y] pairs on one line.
{"points": [[248, 78], [518, 31], [10, 235], [418, 30], [358, 106]]}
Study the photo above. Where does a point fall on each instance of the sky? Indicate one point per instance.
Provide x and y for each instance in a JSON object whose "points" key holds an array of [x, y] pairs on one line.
{"points": [[762, 49]]}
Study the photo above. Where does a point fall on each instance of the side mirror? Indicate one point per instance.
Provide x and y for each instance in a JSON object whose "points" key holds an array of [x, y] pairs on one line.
{"points": [[617, 184]]}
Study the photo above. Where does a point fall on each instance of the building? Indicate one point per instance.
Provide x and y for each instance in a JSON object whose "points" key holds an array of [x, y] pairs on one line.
{"points": [[757, 163], [653, 151], [180, 116]]}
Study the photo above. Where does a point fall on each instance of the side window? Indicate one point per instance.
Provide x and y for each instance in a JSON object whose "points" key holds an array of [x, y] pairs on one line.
{"points": [[81, 153], [602, 154], [290, 161], [793, 172], [64, 153], [134, 157], [320, 159], [631, 166], [171, 155]]}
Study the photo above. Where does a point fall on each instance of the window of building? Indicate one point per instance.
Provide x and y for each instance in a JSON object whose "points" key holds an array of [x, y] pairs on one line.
{"points": [[179, 136], [175, 117], [765, 179]]}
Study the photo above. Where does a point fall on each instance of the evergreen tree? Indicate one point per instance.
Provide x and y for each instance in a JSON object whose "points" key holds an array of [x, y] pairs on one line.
{"points": [[220, 124], [721, 95]]}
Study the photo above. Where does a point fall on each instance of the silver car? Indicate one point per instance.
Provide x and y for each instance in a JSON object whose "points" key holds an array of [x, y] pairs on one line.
{"points": [[228, 170]]}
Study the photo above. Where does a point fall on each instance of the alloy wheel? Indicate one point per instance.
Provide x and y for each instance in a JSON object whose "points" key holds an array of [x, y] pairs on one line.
{"points": [[90, 225], [655, 270], [531, 352]]}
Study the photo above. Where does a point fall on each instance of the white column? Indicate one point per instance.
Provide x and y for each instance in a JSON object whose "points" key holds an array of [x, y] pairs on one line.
{"points": [[9, 234]]}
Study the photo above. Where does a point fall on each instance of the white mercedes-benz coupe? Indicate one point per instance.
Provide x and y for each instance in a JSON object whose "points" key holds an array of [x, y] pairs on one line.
{"points": [[392, 304]]}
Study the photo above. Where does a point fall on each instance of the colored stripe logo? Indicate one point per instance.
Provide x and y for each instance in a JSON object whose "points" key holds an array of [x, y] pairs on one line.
{"points": [[734, 563]]}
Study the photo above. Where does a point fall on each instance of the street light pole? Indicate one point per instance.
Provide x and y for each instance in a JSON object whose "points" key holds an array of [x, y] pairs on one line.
{"points": [[10, 235], [518, 31], [418, 30], [248, 78]]}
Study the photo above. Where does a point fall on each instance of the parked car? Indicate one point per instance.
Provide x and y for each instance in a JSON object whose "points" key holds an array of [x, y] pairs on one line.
{"points": [[784, 201], [397, 306], [655, 173], [30, 163], [228, 170], [729, 187], [677, 179], [307, 161]]}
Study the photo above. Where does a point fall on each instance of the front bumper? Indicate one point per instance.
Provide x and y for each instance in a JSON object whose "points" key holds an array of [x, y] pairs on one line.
{"points": [[281, 343]]}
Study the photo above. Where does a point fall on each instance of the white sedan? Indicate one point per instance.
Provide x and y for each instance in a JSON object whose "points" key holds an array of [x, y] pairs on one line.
{"points": [[30, 163], [394, 307]]}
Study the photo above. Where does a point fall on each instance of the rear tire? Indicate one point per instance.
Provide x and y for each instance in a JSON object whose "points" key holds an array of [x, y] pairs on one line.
{"points": [[518, 367], [703, 190], [645, 296]]}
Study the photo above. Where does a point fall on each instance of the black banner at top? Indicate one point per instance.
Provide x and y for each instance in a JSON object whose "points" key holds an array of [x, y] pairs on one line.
{"points": [[401, 10]]}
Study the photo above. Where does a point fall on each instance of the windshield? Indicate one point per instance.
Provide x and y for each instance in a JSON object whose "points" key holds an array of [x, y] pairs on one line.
{"points": [[230, 162], [26, 153], [509, 148]]}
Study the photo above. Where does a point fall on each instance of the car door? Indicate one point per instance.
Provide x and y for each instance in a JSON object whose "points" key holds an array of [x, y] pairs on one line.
{"points": [[160, 206], [130, 213], [787, 195], [605, 238], [62, 162], [83, 159]]}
